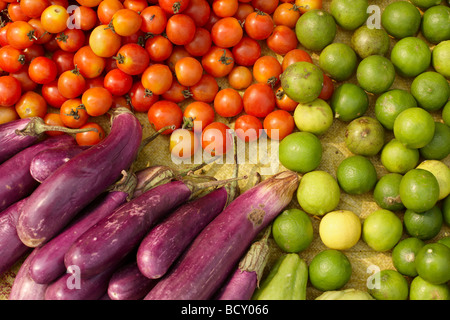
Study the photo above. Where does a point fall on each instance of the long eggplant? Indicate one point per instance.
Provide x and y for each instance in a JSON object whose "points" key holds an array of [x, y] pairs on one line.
{"points": [[214, 253], [58, 199], [16, 181], [11, 248]]}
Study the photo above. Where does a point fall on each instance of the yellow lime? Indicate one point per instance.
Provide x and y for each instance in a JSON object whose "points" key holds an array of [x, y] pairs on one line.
{"points": [[340, 229], [442, 174]]}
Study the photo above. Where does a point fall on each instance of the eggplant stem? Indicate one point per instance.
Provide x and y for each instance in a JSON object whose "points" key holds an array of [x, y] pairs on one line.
{"points": [[37, 126], [211, 184], [126, 184]]}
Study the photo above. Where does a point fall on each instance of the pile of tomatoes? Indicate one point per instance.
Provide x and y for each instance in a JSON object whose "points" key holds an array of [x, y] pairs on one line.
{"points": [[70, 61]]}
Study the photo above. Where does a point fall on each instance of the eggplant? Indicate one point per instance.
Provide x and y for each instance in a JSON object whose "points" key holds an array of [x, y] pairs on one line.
{"points": [[75, 184], [128, 283], [213, 254], [16, 181], [46, 162], [11, 248]]}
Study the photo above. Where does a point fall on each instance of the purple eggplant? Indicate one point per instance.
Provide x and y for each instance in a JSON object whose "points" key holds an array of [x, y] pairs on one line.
{"points": [[75, 184], [213, 254], [128, 283], [46, 162], [11, 248], [25, 288], [16, 181]]}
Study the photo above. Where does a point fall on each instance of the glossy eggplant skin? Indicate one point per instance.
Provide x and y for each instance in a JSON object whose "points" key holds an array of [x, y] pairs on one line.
{"points": [[58, 199], [12, 143]]}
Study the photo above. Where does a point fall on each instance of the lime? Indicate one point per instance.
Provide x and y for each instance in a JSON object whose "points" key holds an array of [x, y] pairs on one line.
{"points": [[300, 152], [404, 256], [414, 127], [446, 210], [364, 136], [349, 101], [302, 81], [440, 57], [392, 286], [419, 190], [370, 41], [424, 4], [318, 192], [431, 90], [382, 229], [389, 105], [315, 117], [423, 290], [401, 19], [356, 175], [411, 56], [329, 270], [446, 114], [386, 192], [445, 240], [424, 225], [432, 263], [439, 147], [292, 230], [340, 229], [338, 60], [315, 29], [436, 24], [442, 174], [349, 14], [375, 74], [398, 158]]}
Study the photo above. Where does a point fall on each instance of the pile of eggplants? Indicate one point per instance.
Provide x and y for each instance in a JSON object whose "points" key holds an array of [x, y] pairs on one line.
{"points": [[87, 218]]}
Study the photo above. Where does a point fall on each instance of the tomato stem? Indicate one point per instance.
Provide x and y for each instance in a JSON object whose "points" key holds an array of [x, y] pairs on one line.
{"points": [[224, 59]]}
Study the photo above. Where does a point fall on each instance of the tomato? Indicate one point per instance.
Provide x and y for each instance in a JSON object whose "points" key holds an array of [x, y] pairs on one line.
{"points": [[177, 92], [259, 100], [104, 42], [206, 89], [286, 14], [132, 59], [199, 11], [73, 114], [201, 113], [327, 89], [282, 40], [225, 8], [240, 77], [33, 51], [33, 8], [53, 119], [218, 62], [24, 78], [154, 20], [126, 22], [54, 18], [247, 51], [10, 91], [52, 95], [63, 60], [217, 139], [159, 48], [82, 17], [106, 10], [228, 103], [183, 143], [42, 70], [118, 82], [173, 6], [178, 52], [20, 34], [136, 5], [267, 69], [15, 12], [295, 55], [11, 59], [42, 36], [121, 102], [180, 29], [248, 128], [258, 25], [188, 71], [227, 32], [157, 78], [3, 31], [200, 44], [8, 114], [244, 9], [71, 39], [90, 138], [97, 101], [283, 101], [89, 3], [71, 84], [140, 98], [31, 104], [89, 64], [278, 124], [306, 5], [165, 113]]}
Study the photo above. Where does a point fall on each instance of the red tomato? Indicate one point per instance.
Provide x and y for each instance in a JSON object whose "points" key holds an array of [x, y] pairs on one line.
{"points": [[327, 89], [201, 43], [206, 89], [244, 9], [248, 128], [267, 69], [178, 52], [199, 11], [173, 6], [20, 34], [286, 14], [10, 91], [240, 77], [33, 8], [267, 6], [158, 48], [106, 10], [54, 18], [42, 70], [41, 36], [52, 95], [118, 82], [258, 25], [89, 64], [228, 103], [278, 124], [180, 29], [259, 100], [218, 62], [217, 139], [165, 113], [73, 114], [157, 78], [90, 138], [176, 93], [227, 32], [71, 84], [97, 101], [63, 60], [154, 20], [225, 8], [140, 98], [201, 113], [126, 22], [188, 71], [24, 78], [11, 59], [282, 40], [132, 59], [71, 39], [295, 55], [53, 119], [283, 101], [82, 17], [31, 104], [247, 51]]}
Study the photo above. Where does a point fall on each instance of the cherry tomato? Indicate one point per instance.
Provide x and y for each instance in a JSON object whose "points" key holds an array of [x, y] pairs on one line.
{"points": [[248, 128], [158, 48], [188, 71], [240, 77], [118, 82], [11, 59], [183, 143], [24, 78], [244, 9], [82, 17], [3, 31], [200, 44], [157, 78], [286, 14], [53, 119], [89, 3], [165, 113], [278, 124], [154, 20], [42, 70], [71, 39], [136, 5], [54, 18], [259, 100], [295, 55], [217, 139], [104, 42], [267, 6], [52, 95], [173, 6], [327, 89], [63, 60], [73, 114], [106, 10], [95, 82], [71, 84], [267, 69], [228, 103], [180, 29], [89, 64], [10, 91], [140, 98], [227, 32], [282, 40], [199, 11], [90, 138], [20, 34], [218, 62], [258, 25], [201, 113], [306, 5], [33, 8], [283, 101], [132, 59], [41, 36], [121, 102], [8, 114], [247, 51], [206, 89], [178, 52], [15, 12], [126, 22], [97, 101], [31, 104], [224, 8], [177, 92]]}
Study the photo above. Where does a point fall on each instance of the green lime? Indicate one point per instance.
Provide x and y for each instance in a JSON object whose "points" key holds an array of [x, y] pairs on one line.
{"points": [[392, 286], [419, 190], [370, 41], [300, 152], [292, 230], [389, 105], [442, 174], [375, 74], [425, 4], [386, 192], [432, 263], [439, 147], [423, 290], [364, 136], [349, 102], [318, 192], [302, 81], [414, 127], [398, 158], [315, 29], [446, 114], [440, 57], [356, 175], [404, 256], [446, 210], [424, 225], [349, 14], [329, 270], [431, 90], [436, 24], [315, 117], [381, 230], [401, 19], [338, 60], [340, 229], [411, 56], [445, 240]]}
